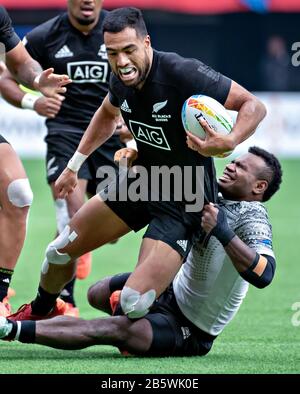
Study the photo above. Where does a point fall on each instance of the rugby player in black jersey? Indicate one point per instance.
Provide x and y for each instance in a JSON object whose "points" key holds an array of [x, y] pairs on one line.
{"points": [[15, 191], [71, 43], [149, 88]]}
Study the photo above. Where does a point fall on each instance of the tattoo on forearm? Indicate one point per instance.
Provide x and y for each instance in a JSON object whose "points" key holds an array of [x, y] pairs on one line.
{"points": [[28, 71]]}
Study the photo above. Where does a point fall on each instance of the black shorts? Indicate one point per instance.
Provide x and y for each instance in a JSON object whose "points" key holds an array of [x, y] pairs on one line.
{"points": [[3, 140], [61, 147], [167, 221], [173, 333]]}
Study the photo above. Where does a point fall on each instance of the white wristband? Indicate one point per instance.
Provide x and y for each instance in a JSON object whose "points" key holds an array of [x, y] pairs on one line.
{"points": [[29, 100], [76, 161], [131, 144]]}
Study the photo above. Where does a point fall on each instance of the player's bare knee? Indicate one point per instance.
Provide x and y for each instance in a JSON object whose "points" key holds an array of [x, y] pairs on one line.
{"points": [[19, 194], [99, 293], [134, 304], [18, 200]]}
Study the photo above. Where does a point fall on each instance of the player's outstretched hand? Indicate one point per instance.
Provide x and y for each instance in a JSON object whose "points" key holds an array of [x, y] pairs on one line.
{"points": [[48, 106], [127, 155], [214, 143], [51, 84], [66, 183]]}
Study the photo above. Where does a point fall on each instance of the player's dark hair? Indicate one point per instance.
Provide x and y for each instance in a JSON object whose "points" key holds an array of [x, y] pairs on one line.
{"points": [[272, 172], [120, 18]]}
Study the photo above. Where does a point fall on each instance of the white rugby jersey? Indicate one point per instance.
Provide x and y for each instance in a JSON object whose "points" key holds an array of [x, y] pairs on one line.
{"points": [[208, 288]]}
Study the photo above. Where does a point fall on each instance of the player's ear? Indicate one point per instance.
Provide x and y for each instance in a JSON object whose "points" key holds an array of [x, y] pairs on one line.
{"points": [[147, 41], [260, 186]]}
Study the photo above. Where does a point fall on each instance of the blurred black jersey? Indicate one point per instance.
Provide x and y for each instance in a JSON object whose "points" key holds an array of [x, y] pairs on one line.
{"points": [[58, 44]]}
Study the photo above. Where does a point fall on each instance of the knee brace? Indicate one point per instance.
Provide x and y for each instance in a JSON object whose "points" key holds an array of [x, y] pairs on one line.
{"points": [[62, 214], [53, 256], [134, 304], [19, 193]]}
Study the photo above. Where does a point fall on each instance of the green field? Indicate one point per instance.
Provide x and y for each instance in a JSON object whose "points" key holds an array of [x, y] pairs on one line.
{"points": [[261, 338]]}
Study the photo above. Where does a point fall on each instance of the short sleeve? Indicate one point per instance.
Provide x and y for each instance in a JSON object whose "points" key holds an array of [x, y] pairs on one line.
{"points": [[7, 34], [256, 234], [191, 76]]}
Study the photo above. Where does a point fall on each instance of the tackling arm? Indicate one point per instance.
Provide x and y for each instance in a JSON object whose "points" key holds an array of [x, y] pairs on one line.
{"points": [[254, 268]]}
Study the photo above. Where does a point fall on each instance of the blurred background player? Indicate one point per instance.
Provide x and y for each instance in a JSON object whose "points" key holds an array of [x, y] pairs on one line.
{"points": [[15, 192], [207, 291], [275, 65], [72, 43]]}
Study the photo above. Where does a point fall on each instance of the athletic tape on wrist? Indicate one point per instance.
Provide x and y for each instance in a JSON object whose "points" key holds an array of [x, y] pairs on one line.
{"points": [[76, 161], [28, 101]]}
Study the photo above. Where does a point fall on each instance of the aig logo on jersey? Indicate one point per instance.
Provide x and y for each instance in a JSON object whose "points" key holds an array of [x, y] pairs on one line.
{"points": [[88, 71], [149, 135]]}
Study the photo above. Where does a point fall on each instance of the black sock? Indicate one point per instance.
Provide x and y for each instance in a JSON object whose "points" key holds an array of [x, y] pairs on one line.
{"points": [[27, 333], [5, 278], [44, 302], [67, 293]]}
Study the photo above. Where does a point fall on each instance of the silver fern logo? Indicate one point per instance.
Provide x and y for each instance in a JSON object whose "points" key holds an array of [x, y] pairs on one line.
{"points": [[158, 106]]}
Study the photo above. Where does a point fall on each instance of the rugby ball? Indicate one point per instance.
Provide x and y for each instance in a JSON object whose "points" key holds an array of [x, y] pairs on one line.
{"points": [[200, 106]]}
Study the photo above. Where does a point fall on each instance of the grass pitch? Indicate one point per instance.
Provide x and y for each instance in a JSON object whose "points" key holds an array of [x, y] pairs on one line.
{"points": [[261, 338]]}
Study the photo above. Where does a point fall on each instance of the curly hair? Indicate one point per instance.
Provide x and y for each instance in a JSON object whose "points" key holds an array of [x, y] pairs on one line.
{"points": [[272, 172]]}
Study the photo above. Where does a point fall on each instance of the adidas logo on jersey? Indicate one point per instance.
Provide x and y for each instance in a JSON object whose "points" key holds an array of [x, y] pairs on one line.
{"points": [[125, 107], [183, 244], [64, 52], [6, 280], [102, 52]]}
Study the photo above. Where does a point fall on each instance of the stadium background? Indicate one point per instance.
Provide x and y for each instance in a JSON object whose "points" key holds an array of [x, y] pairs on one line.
{"points": [[232, 36]]}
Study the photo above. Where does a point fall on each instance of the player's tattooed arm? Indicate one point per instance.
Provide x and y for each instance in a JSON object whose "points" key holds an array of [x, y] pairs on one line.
{"points": [[22, 66], [29, 73]]}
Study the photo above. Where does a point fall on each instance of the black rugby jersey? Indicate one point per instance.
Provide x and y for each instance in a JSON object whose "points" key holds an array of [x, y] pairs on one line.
{"points": [[153, 114], [8, 37], [58, 44]]}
